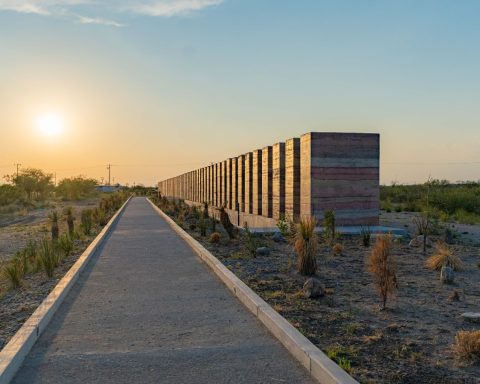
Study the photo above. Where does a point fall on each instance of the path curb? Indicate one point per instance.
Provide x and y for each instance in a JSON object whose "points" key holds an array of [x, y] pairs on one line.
{"points": [[13, 354], [321, 368]]}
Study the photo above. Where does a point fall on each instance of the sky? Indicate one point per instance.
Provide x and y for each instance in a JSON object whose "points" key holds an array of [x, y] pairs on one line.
{"points": [[161, 87]]}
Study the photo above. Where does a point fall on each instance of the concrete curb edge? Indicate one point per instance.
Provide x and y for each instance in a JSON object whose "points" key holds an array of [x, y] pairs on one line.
{"points": [[321, 368], [13, 354]]}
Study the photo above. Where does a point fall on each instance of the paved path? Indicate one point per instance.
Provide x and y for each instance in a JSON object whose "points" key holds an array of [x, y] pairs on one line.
{"points": [[146, 310]]}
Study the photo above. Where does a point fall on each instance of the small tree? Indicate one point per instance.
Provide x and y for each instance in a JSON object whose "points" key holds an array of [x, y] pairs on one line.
{"points": [[306, 246], [381, 264]]}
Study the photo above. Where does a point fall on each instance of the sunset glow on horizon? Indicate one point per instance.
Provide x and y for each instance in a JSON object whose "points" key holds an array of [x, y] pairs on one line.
{"points": [[162, 88]]}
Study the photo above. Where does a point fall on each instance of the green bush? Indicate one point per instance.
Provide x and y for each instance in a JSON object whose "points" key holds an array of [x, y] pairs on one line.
{"points": [[13, 272], [86, 221], [48, 257]]}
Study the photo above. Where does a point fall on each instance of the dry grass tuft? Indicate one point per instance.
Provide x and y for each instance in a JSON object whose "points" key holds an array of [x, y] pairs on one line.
{"points": [[306, 246], [214, 238], [381, 264], [337, 249], [444, 257], [467, 345]]}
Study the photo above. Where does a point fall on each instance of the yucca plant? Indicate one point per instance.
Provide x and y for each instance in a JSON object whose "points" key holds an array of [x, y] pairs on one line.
{"points": [[329, 226], [48, 257], [53, 216], [70, 218], [226, 223], [65, 243], [13, 272], [306, 246], [381, 264], [202, 225], [86, 221], [100, 216], [444, 257], [366, 234], [249, 240]]}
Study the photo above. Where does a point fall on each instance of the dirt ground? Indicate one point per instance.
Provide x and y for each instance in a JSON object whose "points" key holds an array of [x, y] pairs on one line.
{"points": [[15, 230], [410, 342]]}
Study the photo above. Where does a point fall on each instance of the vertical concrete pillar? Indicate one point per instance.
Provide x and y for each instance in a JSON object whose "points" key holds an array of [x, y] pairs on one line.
{"points": [[267, 185], [234, 183], [340, 172], [228, 183], [241, 182], [222, 183], [257, 182], [278, 180], [292, 178], [248, 182]]}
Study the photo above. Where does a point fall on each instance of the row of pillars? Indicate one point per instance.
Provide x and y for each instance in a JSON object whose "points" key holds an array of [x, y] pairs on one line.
{"points": [[264, 182], [299, 177]]}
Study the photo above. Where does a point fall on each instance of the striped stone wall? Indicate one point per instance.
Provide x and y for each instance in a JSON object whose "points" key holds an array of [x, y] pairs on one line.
{"points": [[304, 176]]}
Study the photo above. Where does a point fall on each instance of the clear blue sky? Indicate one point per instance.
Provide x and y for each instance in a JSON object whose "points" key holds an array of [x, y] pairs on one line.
{"points": [[163, 87]]}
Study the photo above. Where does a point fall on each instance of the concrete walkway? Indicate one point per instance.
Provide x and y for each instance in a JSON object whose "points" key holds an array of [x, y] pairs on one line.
{"points": [[146, 310]]}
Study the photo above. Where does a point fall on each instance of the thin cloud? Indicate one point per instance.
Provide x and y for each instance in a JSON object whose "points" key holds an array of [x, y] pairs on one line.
{"points": [[173, 8], [97, 8], [99, 21]]}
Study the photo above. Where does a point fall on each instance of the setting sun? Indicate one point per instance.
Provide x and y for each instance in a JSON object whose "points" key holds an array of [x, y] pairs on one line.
{"points": [[50, 125]]}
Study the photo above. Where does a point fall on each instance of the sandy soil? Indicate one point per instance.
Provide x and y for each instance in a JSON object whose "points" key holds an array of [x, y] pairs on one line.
{"points": [[410, 342], [17, 305], [16, 230]]}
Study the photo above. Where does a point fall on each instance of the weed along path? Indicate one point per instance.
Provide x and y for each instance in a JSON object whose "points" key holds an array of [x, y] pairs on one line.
{"points": [[146, 310]]}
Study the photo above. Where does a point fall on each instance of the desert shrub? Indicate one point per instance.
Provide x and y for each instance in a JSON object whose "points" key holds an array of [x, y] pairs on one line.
{"points": [[48, 257], [249, 241], [9, 194], [53, 216], [70, 218], [444, 257], [381, 264], [306, 246], [226, 223], [337, 249], [86, 221], [282, 225], [99, 216], [13, 272], [467, 345], [76, 188], [366, 236], [65, 243], [329, 226], [214, 238], [192, 226], [30, 251]]}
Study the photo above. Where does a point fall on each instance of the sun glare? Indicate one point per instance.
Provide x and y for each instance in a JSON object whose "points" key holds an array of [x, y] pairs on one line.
{"points": [[50, 125]]}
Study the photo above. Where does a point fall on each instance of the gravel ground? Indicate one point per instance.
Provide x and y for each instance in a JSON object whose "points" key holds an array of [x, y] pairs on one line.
{"points": [[410, 342]]}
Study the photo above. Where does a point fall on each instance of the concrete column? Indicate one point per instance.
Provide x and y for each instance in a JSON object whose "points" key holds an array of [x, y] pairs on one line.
{"points": [[278, 180], [228, 183], [234, 183], [267, 181], [248, 182], [241, 182], [292, 178], [340, 172], [222, 183], [257, 182]]}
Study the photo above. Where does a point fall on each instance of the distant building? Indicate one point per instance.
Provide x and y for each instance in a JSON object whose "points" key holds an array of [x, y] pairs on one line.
{"points": [[108, 188]]}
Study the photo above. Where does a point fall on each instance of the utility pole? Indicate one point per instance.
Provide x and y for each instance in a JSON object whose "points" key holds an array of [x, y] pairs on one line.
{"points": [[109, 167], [17, 165]]}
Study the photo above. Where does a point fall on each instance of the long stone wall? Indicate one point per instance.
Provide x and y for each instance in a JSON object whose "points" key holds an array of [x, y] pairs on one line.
{"points": [[304, 176]]}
